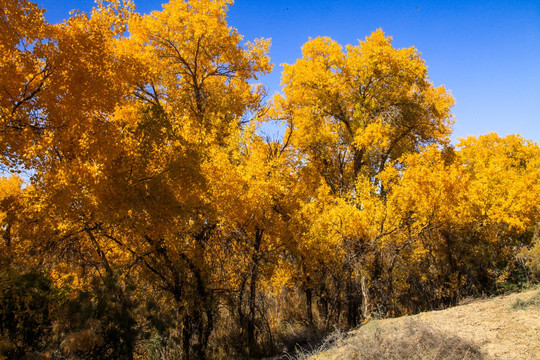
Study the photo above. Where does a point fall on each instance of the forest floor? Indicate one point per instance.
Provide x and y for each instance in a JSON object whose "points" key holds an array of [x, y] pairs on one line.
{"points": [[503, 327]]}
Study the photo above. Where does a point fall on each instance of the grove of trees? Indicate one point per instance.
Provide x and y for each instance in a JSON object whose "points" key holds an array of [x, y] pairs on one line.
{"points": [[143, 216]]}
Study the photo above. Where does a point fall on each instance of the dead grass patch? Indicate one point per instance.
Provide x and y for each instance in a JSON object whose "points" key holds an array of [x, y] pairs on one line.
{"points": [[520, 304], [409, 340]]}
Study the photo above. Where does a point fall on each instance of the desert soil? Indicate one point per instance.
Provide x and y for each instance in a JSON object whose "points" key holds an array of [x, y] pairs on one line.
{"points": [[501, 331]]}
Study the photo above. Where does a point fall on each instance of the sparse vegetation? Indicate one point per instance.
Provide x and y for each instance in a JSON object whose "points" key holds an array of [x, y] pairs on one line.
{"points": [[520, 304], [480, 329]]}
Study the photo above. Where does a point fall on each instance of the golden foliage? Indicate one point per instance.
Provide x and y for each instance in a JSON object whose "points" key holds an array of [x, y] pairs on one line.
{"points": [[139, 135]]}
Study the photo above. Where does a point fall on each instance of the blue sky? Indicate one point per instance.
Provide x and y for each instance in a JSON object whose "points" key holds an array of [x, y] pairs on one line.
{"points": [[486, 52]]}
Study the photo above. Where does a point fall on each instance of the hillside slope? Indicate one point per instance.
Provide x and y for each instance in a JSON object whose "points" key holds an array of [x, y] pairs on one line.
{"points": [[504, 327]]}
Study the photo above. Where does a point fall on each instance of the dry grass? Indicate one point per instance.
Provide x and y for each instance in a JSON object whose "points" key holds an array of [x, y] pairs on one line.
{"points": [[504, 327], [411, 340], [520, 304]]}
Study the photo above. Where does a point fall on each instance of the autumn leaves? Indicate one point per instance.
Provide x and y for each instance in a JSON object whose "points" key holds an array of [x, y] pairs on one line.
{"points": [[145, 171]]}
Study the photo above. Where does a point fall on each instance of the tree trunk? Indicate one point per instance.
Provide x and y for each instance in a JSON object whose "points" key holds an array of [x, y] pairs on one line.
{"points": [[252, 344], [366, 305], [309, 304]]}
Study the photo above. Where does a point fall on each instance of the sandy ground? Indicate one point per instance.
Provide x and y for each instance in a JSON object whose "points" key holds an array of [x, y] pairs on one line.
{"points": [[501, 332]]}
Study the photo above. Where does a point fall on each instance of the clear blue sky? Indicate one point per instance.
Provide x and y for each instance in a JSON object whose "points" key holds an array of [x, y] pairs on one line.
{"points": [[486, 52]]}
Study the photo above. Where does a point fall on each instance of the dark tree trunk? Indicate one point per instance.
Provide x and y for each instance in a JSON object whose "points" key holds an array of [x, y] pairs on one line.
{"points": [[309, 304], [252, 343]]}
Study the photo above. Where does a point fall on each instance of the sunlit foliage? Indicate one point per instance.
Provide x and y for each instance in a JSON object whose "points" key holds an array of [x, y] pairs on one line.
{"points": [[142, 214]]}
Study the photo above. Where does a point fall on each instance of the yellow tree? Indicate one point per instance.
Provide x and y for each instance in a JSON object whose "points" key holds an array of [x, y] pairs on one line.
{"points": [[61, 84], [466, 211], [505, 178], [24, 72], [186, 117], [252, 189], [353, 113], [119, 134], [11, 204]]}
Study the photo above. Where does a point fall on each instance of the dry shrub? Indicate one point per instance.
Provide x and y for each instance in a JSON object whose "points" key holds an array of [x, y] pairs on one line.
{"points": [[158, 348], [302, 338], [318, 347], [411, 340]]}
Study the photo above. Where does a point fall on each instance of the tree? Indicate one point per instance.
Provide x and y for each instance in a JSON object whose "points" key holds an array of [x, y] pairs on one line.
{"points": [[355, 112], [352, 115], [465, 210], [120, 145]]}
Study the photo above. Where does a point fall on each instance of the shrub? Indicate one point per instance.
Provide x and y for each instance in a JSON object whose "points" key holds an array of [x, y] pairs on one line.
{"points": [[27, 301], [531, 258]]}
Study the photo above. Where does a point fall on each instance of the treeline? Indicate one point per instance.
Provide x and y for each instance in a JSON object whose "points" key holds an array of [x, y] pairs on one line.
{"points": [[150, 220]]}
